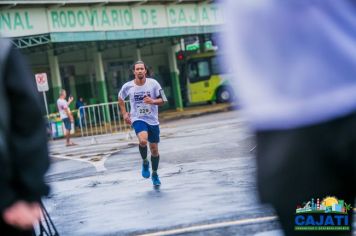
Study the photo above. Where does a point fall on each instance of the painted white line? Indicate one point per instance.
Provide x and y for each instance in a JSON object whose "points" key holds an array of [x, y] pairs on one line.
{"points": [[99, 165], [67, 157], [212, 226]]}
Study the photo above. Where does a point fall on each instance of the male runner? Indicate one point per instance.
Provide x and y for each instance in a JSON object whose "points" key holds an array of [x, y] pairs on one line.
{"points": [[145, 96]]}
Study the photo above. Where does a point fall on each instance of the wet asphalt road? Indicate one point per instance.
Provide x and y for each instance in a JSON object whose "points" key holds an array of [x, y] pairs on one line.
{"points": [[207, 173]]}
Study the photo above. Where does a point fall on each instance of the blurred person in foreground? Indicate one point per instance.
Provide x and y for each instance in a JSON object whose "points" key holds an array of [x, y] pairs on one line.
{"points": [[296, 77], [23, 145]]}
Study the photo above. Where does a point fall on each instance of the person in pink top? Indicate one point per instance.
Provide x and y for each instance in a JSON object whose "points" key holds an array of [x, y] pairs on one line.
{"points": [[65, 114]]}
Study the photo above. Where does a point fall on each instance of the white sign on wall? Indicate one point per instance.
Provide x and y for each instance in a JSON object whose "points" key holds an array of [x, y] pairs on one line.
{"points": [[42, 82]]}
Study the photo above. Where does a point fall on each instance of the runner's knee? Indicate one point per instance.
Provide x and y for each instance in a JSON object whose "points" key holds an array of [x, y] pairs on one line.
{"points": [[143, 142], [154, 150]]}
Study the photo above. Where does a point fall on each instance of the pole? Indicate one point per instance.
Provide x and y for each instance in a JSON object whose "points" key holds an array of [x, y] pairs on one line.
{"points": [[45, 100], [47, 120]]}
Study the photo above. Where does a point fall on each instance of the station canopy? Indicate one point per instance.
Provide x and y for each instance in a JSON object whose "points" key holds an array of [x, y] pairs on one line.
{"points": [[37, 22]]}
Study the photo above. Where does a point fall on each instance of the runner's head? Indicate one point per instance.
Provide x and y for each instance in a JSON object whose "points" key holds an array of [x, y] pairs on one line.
{"points": [[140, 70]]}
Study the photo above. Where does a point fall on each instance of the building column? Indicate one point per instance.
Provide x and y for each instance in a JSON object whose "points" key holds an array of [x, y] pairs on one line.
{"points": [[55, 77], [73, 89], [101, 83], [100, 77], [173, 67], [138, 54]]}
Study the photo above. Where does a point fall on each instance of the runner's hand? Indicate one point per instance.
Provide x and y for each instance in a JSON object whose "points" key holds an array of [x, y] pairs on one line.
{"points": [[127, 118], [22, 215], [148, 100]]}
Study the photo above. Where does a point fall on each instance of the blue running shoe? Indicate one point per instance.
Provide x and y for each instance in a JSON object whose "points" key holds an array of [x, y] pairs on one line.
{"points": [[155, 179], [146, 169]]}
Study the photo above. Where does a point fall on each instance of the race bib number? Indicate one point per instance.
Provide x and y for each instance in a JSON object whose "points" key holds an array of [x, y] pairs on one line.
{"points": [[143, 110]]}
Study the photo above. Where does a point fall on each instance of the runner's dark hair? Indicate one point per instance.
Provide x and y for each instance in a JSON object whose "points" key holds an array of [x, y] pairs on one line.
{"points": [[148, 71]]}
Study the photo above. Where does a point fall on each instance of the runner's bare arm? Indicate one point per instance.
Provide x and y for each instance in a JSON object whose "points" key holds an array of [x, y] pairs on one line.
{"points": [[124, 113], [149, 100], [122, 106]]}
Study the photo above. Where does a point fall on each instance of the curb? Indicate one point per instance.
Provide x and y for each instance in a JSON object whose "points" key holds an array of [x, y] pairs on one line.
{"points": [[193, 114]]}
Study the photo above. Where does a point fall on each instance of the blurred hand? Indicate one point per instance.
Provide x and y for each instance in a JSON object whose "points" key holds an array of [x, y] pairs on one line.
{"points": [[127, 118], [70, 99], [148, 100], [22, 215]]}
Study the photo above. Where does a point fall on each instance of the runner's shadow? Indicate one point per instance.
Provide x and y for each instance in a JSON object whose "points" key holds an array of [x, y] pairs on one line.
{"points": [[155, 192]]}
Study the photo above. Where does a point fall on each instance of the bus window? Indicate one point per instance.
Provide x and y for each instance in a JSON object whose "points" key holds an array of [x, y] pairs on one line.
{"points": [[215, 66], [192, 71], [203, 69], [198, 71]]}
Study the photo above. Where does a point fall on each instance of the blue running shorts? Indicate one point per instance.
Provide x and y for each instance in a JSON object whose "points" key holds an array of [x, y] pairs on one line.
{"points": [[152, 130]]}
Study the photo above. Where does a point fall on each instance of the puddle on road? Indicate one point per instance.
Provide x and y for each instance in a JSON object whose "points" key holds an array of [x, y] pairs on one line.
{"points": [[167, 135], [97, 158], [174, 173], [156, 192], [96, 183], [130, 145]]}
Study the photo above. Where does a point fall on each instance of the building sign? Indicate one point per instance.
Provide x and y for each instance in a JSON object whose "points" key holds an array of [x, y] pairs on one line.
{"points": [[194, 15], [149, 17], [23, 22], [90, 19], [32, 21]]}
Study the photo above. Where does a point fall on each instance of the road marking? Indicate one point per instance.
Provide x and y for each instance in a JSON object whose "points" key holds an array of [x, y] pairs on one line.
{"points": [[212, 226], [99, 165]]}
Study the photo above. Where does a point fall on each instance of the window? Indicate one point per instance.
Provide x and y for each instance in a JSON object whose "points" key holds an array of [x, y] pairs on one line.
{"points": [[198, 70], [215, 66], [203, 69], [192, 71]]}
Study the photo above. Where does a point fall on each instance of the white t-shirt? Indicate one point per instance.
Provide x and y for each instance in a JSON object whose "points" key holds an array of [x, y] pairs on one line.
{"points": [[62, 105], [140, 110]]}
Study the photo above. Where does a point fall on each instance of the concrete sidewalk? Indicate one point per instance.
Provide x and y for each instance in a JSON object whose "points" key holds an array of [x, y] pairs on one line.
{"points": [[194, 111]]}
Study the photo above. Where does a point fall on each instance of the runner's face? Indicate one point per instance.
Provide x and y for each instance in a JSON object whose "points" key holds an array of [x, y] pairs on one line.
{"points": [[140, 71]]}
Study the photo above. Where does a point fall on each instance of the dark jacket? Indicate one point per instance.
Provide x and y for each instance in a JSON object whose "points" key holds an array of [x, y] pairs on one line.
{"points": [[23, 142]]}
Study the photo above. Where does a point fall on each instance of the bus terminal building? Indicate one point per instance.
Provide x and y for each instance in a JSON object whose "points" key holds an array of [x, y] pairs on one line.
{"points": [[88, 47]]}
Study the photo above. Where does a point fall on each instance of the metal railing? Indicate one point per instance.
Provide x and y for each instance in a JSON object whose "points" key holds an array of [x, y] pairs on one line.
{"points": [[104, 118]]}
